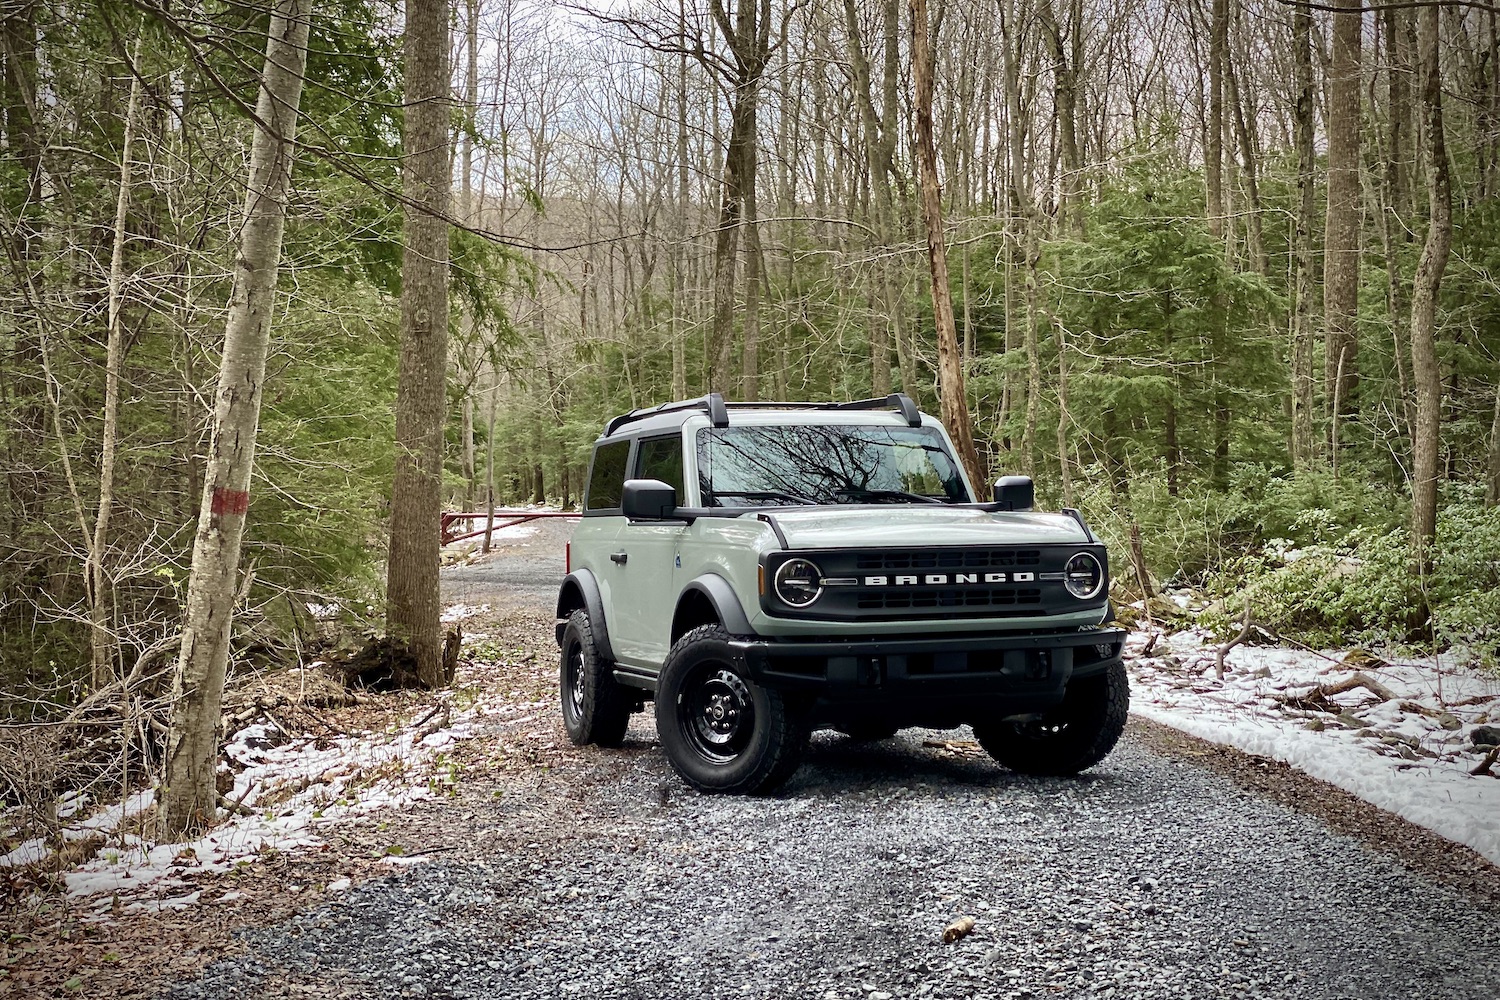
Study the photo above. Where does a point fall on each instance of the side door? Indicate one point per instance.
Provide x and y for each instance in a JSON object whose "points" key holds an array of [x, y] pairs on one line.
{"points": [[650, 573], [596, 537]]}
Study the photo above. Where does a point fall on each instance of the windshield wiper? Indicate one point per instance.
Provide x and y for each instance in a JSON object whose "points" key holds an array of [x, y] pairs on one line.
{"points": [[793, 498], [887, 495]]}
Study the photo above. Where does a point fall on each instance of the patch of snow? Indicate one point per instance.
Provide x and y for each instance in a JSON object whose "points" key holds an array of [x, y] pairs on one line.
{"points": [[293, 789], [458, 612], [1410, 755], [28, 853]]}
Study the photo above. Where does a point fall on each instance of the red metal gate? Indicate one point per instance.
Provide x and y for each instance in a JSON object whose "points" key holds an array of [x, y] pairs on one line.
{"points": [[457, 527]]}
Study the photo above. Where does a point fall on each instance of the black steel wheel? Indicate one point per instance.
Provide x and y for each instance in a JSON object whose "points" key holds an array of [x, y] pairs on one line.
{"points": [[1072, 737], [594, 708], [722, 731]]}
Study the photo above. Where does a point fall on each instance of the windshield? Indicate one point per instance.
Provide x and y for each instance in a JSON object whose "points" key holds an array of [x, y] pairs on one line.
{"points": [[749, 466]]}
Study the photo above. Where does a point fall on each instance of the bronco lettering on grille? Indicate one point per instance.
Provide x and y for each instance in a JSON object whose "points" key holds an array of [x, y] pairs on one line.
{"points": [[948, 579]]}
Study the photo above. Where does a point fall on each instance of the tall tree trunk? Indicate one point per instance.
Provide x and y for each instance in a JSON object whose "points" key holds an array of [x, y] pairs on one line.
{"points": [[1302, 309], [1341, 241], [189, 795], [471, 216], [955, 405], [1066, 47], [1425, 286], [103, 643], [421, 398], [748, 36], [754, 261], [1393, 231], [1247, 134], [1492, 487], [1218, 46]]}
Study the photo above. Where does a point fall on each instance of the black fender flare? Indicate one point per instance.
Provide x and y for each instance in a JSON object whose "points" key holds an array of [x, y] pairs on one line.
{"points": [[722, 596], [581, 583]]}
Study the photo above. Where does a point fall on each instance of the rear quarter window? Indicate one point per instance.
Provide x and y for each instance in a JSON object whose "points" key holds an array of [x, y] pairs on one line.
{"points": [[607, 476]]}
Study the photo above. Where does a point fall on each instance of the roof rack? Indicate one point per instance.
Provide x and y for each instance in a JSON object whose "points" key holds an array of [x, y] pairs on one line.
{"points": [[718, 411], [712, 404]]}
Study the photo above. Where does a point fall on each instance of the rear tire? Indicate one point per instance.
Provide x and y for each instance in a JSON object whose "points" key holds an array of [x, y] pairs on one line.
{"points": [[595, 708], [1075, 735], [722, 731]]}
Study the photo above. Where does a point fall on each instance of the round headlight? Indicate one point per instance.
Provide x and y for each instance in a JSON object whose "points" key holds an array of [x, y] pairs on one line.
{"points": [[1084, 576], [799, 582]]}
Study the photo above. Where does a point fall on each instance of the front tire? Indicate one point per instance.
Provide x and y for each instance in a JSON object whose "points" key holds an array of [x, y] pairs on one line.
{"points": [[722, 731], [1075, 735], [594, 708]]}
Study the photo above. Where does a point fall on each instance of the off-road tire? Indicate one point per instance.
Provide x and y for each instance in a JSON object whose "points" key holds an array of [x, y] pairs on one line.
{"points": [[1075, 735], [595, 708], [755, 742]]}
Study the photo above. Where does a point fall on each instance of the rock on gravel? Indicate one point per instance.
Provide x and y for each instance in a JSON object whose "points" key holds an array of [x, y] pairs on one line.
{"points": [[1142, 879]]}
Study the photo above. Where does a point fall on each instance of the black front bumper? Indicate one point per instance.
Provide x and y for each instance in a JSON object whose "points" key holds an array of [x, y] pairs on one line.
{"points": [[912, 681]]}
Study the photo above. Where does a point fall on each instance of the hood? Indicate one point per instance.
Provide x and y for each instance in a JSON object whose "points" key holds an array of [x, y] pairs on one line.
{"points": [[892, 526]]}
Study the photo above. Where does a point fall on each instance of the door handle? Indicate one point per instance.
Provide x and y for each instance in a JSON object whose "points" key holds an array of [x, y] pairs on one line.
{"points": [[618, 557]]}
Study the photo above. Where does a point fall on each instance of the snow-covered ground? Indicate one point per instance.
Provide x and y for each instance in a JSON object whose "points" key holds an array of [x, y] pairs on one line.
{"points": [[1410, 755], [290, 789]]}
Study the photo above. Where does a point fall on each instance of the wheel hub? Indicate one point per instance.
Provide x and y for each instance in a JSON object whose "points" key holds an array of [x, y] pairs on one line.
{"points": [[719, 719], [575, 690]]}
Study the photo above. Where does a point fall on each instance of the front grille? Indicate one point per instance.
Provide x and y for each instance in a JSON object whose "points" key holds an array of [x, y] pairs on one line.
{"points": [[899, 559], [999, 597]]}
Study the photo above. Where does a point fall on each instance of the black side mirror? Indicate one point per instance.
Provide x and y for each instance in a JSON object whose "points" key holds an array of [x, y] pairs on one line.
{"points": [[649, 500], [1011, 492]]}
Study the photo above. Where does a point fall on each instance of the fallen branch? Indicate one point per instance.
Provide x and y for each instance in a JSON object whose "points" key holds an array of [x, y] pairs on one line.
{"points": [[1244, 634], [1318, 698], [433, 721], [1488, 762], [237, 807]]}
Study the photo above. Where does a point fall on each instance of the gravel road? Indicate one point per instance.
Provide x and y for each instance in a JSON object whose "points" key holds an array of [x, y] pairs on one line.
{"points": [[565, 872]]}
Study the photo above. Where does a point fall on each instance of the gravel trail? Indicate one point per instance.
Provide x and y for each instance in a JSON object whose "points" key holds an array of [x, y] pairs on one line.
{"points": [[563, 872]]}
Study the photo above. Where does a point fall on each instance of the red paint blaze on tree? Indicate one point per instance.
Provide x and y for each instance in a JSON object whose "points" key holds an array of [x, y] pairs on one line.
{"points": [[230, 501]]}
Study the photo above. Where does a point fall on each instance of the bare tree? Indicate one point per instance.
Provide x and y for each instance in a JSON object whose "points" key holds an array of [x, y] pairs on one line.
{"points": [[189, 796], [1425, 286], [1302, 319], [955, 404], [412, 607], [104, 646], [1341, 243]]}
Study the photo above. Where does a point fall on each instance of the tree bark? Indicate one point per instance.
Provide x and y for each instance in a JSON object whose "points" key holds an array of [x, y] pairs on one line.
{"points": [[1218, 45], [1066, 46], [103, 643], [1341, 241], [955, 405], [1393, 231], [412, 607], [749, 39], [1302, 322], [1425, 287], [1492, 487], [189, 796]]}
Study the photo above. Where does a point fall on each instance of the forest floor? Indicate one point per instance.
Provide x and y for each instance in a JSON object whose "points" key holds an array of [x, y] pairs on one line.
{"points": [[458, 845]]}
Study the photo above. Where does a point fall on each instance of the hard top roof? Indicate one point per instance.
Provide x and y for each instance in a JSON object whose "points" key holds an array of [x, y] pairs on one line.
{"points": [[718, 411]]}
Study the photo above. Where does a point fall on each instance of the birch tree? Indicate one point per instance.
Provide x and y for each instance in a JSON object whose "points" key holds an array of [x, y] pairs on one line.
{"points": [[189, 796]]}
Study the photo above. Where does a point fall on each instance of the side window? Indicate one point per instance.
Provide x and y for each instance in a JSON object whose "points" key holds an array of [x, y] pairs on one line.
{"points": [[661, 458], [607, 476]]}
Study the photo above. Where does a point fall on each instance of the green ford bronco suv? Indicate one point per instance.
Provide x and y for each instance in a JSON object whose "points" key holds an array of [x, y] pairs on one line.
{"points": [[761, 570]]}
